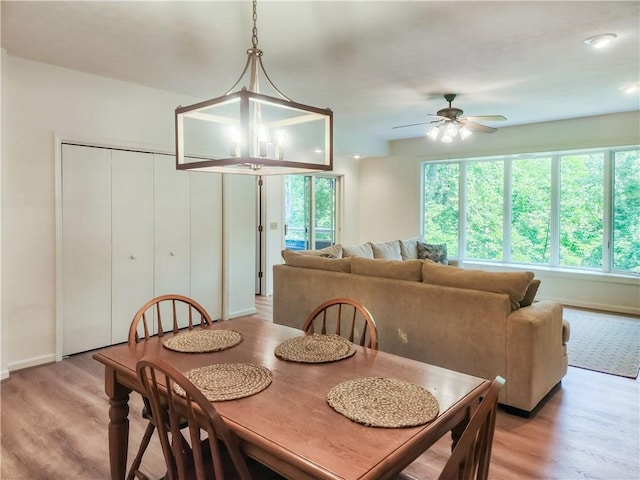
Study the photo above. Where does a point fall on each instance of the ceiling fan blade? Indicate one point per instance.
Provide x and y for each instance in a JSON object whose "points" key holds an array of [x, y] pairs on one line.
{"points": [[479, 128], [411, 125], [486, 118]]}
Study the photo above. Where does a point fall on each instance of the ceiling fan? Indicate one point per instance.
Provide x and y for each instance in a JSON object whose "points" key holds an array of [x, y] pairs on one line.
{"points": [[451, 123]]}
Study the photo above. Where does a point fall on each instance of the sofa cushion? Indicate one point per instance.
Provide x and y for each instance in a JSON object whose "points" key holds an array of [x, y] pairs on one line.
{"points": [[408, 248], [333, 251], [387, 250], [530, 295], [434, 252], [514, 284], [363, 250], [320, 263], [396, 269]]}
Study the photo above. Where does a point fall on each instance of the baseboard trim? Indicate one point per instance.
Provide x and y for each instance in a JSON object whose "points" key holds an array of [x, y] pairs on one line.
{"points": [[243, 313], [32, 362]]}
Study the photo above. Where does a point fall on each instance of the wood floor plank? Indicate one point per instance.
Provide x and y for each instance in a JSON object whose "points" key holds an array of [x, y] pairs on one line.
{"points": [[53, 425]]}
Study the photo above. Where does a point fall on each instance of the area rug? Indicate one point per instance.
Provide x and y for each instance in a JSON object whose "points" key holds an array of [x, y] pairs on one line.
{"points": [[606, 343]]}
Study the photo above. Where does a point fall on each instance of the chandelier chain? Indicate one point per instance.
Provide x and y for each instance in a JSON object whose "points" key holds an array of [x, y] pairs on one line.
{"points": [[254, 36]]}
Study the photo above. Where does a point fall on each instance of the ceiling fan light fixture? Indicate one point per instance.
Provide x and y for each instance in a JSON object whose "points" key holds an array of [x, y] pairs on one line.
{"points": [[465, 133], [600, 41], [246, 132], [451, 129], [433, 133], [446, 139]]}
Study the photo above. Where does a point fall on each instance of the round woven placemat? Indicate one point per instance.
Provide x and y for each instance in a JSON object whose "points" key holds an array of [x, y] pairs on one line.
{"points": [[383, 402], [228, 381], [315, 349], [199, 341]]}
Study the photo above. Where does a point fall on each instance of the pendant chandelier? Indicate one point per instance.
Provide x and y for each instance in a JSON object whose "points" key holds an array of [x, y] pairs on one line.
{"points": [[246, 132]]}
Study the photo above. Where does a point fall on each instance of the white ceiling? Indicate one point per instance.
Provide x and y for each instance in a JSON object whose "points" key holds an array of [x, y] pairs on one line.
{"points": [[375, 64]]}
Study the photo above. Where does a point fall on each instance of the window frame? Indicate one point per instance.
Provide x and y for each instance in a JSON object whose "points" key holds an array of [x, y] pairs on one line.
{"points": [[608, 192]]}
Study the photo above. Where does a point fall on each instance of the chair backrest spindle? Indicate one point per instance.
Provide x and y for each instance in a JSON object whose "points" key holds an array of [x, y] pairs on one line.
{"points": [[360, 323], [178, 304]]}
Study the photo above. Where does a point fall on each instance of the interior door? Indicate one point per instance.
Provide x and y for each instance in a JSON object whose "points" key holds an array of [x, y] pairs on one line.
{"points": [[86, 248], [132, 237], [172, 228]]}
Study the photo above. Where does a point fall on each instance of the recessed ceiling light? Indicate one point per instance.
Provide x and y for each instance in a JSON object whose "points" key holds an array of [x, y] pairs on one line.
{"points": [[600, 41], [631, 88]]}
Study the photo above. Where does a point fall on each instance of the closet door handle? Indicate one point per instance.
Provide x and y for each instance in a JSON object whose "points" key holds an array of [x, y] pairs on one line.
{"points": [[132, 257]]}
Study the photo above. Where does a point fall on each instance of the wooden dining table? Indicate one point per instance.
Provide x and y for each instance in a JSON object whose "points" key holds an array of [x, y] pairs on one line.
{"points": [[289, 426]]}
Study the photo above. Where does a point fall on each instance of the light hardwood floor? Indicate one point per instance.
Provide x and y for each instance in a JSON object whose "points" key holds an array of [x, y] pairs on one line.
{"points": [[54, 426]]}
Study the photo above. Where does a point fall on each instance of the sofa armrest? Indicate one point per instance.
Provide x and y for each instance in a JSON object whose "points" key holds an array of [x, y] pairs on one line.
{"points": [[534, 353]]}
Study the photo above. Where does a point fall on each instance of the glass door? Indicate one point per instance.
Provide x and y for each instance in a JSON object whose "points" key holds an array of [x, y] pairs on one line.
{"points": [[310, 212]]}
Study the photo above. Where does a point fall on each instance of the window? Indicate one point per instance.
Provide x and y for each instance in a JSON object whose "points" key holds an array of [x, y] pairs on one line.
{"points": [[441, 205], [581, 210], [310, 211], [484, 210], [531, 210], [563, 209], [626, 211]]}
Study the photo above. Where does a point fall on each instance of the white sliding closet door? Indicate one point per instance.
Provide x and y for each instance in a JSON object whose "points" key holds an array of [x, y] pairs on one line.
{"points": [[172, 225], [133, 227], [86, 248], [132, 238]]}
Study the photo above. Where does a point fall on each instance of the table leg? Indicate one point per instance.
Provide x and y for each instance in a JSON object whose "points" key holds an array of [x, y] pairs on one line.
{"points": [[118, 425]]}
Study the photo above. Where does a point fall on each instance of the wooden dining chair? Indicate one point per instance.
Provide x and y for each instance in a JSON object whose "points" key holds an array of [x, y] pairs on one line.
{"points": [[471, 456], [160, 315], [344, 317], [177, 307], [218, 455]]}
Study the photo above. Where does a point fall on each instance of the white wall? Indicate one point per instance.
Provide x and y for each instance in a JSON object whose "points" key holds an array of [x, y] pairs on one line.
{"points": [[38, 101], [4, 372], [389, 204]]}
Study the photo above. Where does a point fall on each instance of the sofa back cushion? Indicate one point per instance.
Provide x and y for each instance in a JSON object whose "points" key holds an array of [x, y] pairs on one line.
{"points": [[410, 270], [387, 250], [319, 263], [332, 251], [363, 250], [409, 248], [514, 284], [530, 295]]}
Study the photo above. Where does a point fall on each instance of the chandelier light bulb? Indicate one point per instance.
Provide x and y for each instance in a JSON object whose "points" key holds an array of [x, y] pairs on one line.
{"points": [[446, 139], [234, 141]]}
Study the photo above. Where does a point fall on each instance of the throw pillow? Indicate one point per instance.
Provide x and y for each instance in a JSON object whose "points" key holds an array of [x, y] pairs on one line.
{"points": [[532, 289], [363, 250], [434, 252], [387, 250]]}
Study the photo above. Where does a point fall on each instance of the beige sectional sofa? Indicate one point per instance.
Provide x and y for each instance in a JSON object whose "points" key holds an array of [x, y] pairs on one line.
{"points": [[476, 322]]}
